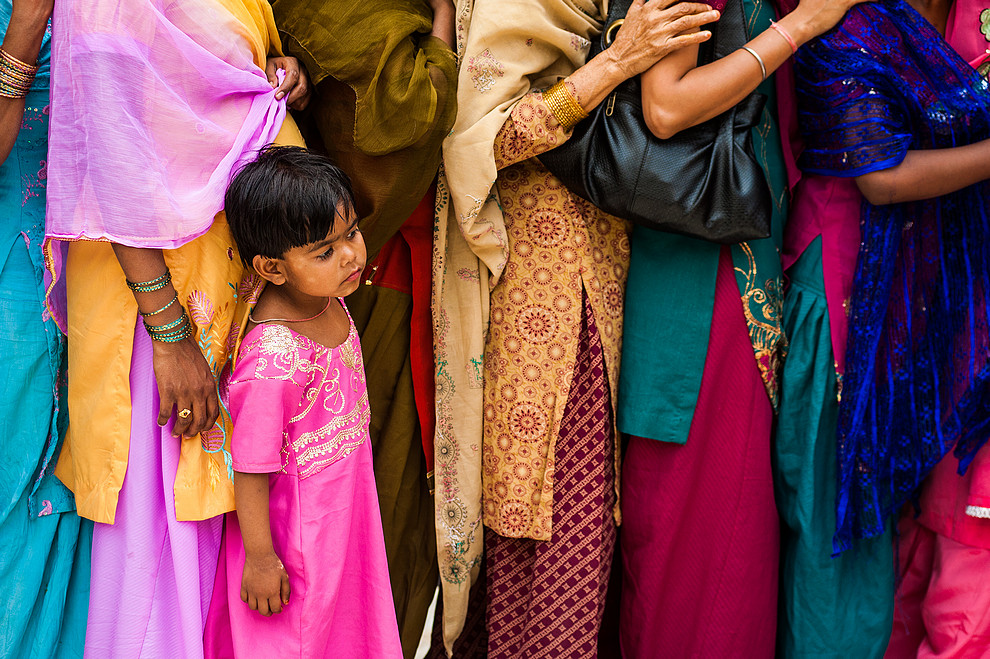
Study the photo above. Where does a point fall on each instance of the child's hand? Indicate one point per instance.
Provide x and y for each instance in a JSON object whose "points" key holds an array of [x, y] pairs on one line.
{"points": [[265, 584]]}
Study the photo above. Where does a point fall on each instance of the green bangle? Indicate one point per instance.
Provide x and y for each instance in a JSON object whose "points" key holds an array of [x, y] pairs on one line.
{"points": [[173, 337], [155, 313], [156, 284], [172, 332], [175, 324]]}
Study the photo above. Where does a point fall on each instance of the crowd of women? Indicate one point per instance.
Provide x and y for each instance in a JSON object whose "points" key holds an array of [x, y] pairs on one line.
{"points": [[598, 440]]}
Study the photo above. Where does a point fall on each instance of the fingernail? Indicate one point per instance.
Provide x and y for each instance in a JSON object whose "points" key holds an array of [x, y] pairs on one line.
{"points": [[278, 96]]}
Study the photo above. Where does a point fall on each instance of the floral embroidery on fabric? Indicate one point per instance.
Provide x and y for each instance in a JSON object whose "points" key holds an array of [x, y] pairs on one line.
{"points": [[484, 69], [334, 414], [458, 526], [763, 308], [580, 44], [213, 326]]}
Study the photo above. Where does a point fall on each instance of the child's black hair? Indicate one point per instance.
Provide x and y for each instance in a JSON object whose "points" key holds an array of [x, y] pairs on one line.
{"points": [[288, 197]]}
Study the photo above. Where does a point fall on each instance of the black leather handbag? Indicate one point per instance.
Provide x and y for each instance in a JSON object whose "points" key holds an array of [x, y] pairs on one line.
{"points": [[703, 182]]}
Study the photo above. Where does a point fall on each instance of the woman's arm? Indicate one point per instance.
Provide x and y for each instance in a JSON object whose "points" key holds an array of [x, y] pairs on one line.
{"points": [[443, 21], [677, 94], [651, 31], [28, 22], [184, 379], [265, 582], [927, 174]]}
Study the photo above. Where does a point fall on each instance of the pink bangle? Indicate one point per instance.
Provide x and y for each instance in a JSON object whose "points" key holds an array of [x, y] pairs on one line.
{"points": [[782, 32]]}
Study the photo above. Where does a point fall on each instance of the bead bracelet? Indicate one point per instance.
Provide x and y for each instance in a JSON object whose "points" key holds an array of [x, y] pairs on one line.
{"points": [[156, 284], [172, 332], [155, 313]]}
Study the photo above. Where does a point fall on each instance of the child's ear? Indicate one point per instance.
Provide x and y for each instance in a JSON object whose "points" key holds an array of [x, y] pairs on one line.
{"points": [[270, 269]]}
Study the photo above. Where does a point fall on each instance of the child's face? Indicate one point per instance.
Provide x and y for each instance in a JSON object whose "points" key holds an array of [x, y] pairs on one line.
{"points": [[330, 267]]}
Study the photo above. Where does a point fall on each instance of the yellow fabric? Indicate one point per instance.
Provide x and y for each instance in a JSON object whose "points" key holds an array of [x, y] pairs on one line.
{"points": [[259, 27], [507, 49], [101, 318]]}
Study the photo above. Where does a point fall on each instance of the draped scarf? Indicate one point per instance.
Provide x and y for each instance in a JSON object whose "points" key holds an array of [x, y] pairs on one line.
{"points": [[917, 378], [153, 104], [506, 49], [384, 101]]}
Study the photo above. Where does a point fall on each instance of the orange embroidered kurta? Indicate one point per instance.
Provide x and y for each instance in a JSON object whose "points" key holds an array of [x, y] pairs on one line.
{"points": [[212, 284], [561, 248]]}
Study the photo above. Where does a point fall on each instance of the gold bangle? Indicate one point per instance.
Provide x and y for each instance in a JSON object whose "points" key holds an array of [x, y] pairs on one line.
{"points": [[563, 105]]}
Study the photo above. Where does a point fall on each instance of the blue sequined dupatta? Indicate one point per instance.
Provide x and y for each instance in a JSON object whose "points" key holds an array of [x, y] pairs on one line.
{"points": [[917, 379]]}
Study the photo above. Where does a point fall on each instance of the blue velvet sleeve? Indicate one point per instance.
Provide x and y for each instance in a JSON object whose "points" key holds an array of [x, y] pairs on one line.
{"points": [[850, 109]]}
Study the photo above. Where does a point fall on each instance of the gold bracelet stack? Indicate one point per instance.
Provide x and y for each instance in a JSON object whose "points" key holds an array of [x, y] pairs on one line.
{"points": [[16, 77], [563, 105]]}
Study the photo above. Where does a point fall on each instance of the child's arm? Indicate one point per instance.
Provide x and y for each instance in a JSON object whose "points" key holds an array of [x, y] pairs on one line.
{"points": [[265, 583]]}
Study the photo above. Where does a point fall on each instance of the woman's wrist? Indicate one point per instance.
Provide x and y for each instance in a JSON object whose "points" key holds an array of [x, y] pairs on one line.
{"points": [[799, 26], [25, 35]]}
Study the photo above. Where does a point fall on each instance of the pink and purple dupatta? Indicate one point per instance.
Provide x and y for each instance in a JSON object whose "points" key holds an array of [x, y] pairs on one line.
{"points": [[154, 103]]}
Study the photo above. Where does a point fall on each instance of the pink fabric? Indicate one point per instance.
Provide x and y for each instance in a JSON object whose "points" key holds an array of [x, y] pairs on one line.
{"points": [[943, 603], [166, 92], [829, 207], [152, 575], [946, 496], [300, 412], [700, 533], [963, 29]]}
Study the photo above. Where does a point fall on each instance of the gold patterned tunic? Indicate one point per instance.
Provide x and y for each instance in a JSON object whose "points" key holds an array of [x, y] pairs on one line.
{"points": [[561, 248]]}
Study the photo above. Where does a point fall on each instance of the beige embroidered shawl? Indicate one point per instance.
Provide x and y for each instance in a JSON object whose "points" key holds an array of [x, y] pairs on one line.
{"points": [[506, 48]]}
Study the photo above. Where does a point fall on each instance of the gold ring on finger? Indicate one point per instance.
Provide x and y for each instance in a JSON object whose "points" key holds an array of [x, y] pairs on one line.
{"points": [[184, 413]]}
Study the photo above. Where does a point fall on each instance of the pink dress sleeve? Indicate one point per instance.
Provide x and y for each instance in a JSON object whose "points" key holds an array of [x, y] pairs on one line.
{"points": [[260, 408]]}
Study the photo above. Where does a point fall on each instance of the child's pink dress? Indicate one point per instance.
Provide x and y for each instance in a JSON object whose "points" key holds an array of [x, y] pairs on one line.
{"points": [[300, 412]]}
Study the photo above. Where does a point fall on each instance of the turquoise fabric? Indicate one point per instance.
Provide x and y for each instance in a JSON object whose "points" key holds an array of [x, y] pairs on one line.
{"points": [[828, 607], [44, 546], [670, 295]]}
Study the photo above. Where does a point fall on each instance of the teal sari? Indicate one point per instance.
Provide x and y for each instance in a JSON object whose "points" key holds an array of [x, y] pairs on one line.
{"points": [[44, 546]]}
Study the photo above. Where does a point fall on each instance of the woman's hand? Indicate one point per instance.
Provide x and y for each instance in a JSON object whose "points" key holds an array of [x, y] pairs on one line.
{"points": [[185, 382], [814, 17], [650, 32], [295, 85], [265, 583], [653, 30]]}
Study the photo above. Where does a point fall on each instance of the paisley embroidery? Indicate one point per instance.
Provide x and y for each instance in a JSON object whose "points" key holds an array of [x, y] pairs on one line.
{"points": [[763, 307]]}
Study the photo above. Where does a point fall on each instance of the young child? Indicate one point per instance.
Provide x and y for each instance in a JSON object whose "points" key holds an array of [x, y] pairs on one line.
{"points": [[302, 568]]}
